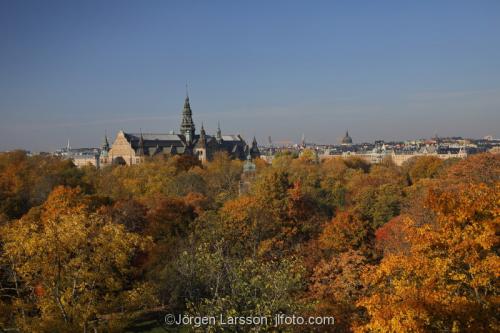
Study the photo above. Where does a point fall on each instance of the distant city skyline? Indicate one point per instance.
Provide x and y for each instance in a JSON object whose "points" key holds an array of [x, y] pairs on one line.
{"points": [[382, 70]]}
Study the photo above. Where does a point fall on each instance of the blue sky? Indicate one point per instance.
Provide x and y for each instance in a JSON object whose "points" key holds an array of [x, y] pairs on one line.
{"points": [[382, 69]]}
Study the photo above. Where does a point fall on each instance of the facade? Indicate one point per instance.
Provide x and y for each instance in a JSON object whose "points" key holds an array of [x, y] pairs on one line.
{"points": [[80, 156], [132, 148], [399, 157], [86, 160]]}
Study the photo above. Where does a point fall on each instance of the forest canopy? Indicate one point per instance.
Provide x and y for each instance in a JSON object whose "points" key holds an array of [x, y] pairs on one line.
{"points": [[381, 248]]}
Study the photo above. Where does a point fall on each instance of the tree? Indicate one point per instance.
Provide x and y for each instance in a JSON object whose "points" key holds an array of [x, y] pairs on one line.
{"points": [[77, 263], [357, 163], [377, 196], [308, 156], [240, 287], [271, 192], [186, 162], [336, 286], [222, 177], [448, 280], [423, 167], [391, 238], [480, 168], [345, 232], [26, 181], [130, 213]]}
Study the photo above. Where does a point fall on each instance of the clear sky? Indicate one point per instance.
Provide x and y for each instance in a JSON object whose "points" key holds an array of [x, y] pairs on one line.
{"points": [[382, 69]]}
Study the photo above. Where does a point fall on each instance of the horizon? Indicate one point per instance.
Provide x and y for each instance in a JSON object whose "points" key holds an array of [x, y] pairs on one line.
{"points": [[387, 71], [277, 144]]}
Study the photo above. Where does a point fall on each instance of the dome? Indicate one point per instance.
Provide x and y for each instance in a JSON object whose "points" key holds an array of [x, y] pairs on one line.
{"points": [[346, 139]]}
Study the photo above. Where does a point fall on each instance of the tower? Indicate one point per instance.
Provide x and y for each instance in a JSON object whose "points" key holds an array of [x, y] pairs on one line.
{"points": [[103, 159], [187, 124], [254, 149], [247, 176], [201, 145], [105, 144], [218, 136], [141, 149]]}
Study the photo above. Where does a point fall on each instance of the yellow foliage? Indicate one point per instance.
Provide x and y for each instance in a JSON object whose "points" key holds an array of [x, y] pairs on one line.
{"points": [[448, 281], [77, 261]]}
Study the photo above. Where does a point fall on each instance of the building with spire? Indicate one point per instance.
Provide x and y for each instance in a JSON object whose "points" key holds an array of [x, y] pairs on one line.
{"points": [[132, 148], [248, 175], [104, 153], [254, 149], [187, 125], [346, 140]]}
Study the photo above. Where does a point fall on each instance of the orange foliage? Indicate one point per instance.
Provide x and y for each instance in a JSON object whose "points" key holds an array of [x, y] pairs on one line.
{"points": [[346, 231], [391, 238], [448, 280], [480, 168], [336, 286]]}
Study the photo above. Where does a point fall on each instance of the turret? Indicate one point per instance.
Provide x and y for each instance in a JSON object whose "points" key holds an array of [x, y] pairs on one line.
{"points": [[141, 145], [218, 136], [254, 150], [105, 145], [203, 136]]}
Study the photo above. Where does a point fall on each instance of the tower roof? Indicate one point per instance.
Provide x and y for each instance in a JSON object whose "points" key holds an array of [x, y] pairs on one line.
{"points": [[187, 123], [105, 143]]}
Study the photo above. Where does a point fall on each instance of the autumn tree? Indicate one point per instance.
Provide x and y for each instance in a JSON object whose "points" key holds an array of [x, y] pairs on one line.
{"points": [[422, 167], [26, 181], [336, 286], [480, 168], [130, 213], [448, 280], [376, 196], [72, 266], [222, 177], [345, 232], [392, 237]]}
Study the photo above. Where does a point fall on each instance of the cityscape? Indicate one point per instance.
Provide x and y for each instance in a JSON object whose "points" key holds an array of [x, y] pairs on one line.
{"points": [[133, 148], [373, 152], [234, 144], [260, 166]]}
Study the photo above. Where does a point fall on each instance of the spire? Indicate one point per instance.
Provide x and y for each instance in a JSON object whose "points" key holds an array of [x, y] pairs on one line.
{"points": [[105, 143], [187, 124], [202, 131], [141, 144], [254, 142], [254, 150], [219, 133], [203, 137]]}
